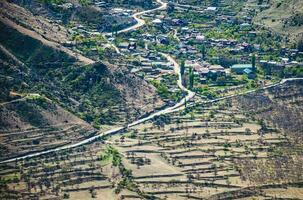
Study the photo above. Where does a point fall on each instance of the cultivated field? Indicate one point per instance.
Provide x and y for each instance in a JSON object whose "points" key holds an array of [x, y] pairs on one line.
{"points": [[233, 149]]}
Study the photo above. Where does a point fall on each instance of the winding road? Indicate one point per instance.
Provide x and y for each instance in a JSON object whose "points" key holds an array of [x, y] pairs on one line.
{"points": [[168, 110], [141, 22], [190, 95]]}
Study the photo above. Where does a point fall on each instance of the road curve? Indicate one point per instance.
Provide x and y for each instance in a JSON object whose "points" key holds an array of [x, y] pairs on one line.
{"points": [[190, 95], [141, 22], [165, 111], [168, 110]]}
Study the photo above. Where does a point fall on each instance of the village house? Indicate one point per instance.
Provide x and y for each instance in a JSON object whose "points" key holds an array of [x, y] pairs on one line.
{"points": [[101, 4], [245, 27], [211, 9], [240, 68], [157, 22], [249, 73], [178, 22], [123, 45], [162, 64], [217, 70]]}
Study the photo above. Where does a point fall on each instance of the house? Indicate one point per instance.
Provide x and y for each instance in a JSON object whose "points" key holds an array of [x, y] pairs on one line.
{"points": [[123, 45], [162, 64], [246, 47], [203, 80], [204, 72], [132, 46], [200, 38], [271, 66], [211, 9], [157, 21], [184, 29], [101, 4], [250, 74], [239, 68], [191, 64], [178, 22], [245, 27], [217, 70]]}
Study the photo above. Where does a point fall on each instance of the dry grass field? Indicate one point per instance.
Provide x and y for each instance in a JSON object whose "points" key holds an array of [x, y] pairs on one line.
{"points": [[249, 147]]}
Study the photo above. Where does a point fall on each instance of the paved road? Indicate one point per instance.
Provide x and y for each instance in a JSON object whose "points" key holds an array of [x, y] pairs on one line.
{"points": [[21, 99], [168, 110], [283, 81], [175, 108], [190, 95], [141, 22]]}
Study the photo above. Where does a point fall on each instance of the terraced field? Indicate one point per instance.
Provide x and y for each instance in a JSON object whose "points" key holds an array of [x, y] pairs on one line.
{"points": [[219, 150], [38, 139], [34, 123], [233, 149], [194, 154]]}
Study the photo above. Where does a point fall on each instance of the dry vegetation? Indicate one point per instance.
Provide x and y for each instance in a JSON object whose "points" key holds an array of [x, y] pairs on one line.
{"points": [[218, 151], [33, 124], [281, 108], [283, 16], [248, 147], [47, 28]]}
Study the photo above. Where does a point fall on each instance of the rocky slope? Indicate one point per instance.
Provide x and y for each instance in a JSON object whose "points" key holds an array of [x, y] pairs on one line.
{"points": [[282, 16], [74, 12], [36, 62]]}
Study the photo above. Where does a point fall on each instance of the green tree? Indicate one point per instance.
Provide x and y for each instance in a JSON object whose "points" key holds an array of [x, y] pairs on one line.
{"points": [[300, 44], [191, 78], [203, 51], [115, 29], [84, 2], [253, 61], [182, 67]]}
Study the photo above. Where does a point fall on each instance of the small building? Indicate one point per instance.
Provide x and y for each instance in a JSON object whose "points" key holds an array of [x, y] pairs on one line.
{"points": [[178, 22], [245, 27], [157, 21], [162, 64], [250, 74], [239, 68], [211, 9], [200, 38], [123, 45], [204, 72], [217, 70], [132, 46]]}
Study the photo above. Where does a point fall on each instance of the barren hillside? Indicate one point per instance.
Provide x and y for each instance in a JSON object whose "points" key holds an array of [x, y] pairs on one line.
{"points": [[284, 17], [99, 93], [34, 123]]}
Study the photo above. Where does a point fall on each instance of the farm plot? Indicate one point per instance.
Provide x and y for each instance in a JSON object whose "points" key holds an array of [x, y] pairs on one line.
{"points": [[248, 147], [194, 154], [85, 172], [19, 142]]}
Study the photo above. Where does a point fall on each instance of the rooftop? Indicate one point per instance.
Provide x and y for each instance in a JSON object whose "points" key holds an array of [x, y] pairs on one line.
{"points": [[241, 66]]}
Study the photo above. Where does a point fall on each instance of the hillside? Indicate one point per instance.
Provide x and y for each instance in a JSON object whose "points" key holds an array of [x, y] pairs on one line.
{"points": [[93, 92], [34, 123], [283, 16], [73, 12], [98, 92], [151, 99]]}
